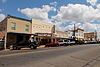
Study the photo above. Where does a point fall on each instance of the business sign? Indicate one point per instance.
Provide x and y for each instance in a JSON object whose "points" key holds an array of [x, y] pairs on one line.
{"points": [[43, 34]]}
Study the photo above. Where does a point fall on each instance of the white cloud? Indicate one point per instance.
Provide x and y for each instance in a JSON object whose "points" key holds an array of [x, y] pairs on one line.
{"points": [[2, 16], [37, 13], [86, 26], [92, 2], [90, 26], [78, 13], [53, 4], [82, 15]]}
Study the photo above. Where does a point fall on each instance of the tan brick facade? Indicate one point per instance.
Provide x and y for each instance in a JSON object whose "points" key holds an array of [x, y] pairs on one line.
{"points": [[20, 25], [13, 27], [89, 36], [61, 34]]}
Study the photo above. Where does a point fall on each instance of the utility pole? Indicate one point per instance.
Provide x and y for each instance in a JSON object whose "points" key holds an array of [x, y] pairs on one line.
{"points": [[74, 38], [74, 31], [95, 35]]}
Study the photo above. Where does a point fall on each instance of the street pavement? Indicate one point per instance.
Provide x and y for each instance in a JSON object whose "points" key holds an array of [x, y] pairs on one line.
{"points": [[70, 56]]}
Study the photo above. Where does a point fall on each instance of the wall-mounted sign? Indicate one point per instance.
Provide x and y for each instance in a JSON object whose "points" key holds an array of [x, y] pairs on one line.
{"points": [[43, 34]]}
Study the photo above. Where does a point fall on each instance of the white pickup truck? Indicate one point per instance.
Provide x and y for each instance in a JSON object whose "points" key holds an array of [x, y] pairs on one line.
{"points": [[66, 42]]}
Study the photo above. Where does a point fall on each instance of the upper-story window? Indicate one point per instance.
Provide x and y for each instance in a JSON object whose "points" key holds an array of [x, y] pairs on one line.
{"points": [[13, 26], [27, 28]]}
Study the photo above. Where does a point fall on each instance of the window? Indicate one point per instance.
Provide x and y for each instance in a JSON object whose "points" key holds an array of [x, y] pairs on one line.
{"points": [[43, 26], [13, 26], [27, 28]]}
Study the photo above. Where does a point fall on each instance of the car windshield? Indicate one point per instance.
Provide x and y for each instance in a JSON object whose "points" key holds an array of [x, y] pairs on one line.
{"points": [[65, 40]]}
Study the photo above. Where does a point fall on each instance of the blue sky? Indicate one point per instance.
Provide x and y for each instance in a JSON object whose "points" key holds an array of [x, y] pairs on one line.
{"points": [[62, 13], [11, 6]]}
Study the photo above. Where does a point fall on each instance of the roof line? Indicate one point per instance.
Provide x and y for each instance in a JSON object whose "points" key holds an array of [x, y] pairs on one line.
{"points": [[18, 18]]}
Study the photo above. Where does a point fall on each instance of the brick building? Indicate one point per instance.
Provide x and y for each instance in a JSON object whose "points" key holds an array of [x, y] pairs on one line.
{"points": [[15, 29], [90, 36]]}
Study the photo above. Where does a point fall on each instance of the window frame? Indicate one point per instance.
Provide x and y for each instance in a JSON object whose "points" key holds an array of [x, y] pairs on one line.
{"points": [[13, 26], [27, 28]]}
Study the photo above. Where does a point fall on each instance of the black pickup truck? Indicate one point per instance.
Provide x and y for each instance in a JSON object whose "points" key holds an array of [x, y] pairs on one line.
{"points": [[24, 44]]}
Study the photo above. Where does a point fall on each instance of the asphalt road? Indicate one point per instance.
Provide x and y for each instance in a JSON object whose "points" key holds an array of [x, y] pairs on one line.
{"points": [[71, 56]]}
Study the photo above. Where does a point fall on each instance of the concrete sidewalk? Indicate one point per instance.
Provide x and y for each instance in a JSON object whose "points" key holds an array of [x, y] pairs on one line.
{"points": [[9, 52]]}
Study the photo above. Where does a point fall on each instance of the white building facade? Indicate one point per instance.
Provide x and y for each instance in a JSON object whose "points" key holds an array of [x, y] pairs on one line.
{"points": [[79, 33], [43, 31]]}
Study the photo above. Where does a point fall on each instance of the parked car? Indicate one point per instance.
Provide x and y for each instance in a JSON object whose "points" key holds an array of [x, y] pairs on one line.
{"points": [[62, 42], [66, 42], [90, 42], [1, 45], [80, 42], [52, 44], [70, 42], [23, 44]]}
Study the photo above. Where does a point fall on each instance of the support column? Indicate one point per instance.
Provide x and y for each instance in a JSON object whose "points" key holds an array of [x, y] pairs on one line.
{"points": [[5, 42]]}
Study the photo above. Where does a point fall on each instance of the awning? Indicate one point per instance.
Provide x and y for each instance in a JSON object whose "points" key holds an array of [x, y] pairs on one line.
{"points": [[20, 33]]}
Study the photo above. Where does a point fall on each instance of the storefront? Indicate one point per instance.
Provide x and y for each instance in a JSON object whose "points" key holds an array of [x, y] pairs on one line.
{"points": [[43, 38], [16, 38]]}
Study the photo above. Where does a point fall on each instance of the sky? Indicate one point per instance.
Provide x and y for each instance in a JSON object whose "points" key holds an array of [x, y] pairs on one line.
{"points": [[64, 14]]}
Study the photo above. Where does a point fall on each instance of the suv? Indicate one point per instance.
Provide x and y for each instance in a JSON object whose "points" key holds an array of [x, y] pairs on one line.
{"points": [[66, 42], [18, 46], [62, 42], [70, 42]]}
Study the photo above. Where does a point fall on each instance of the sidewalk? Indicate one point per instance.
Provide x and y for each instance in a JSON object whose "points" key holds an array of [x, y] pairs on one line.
{"points": [[41, 46], [23, 50]]}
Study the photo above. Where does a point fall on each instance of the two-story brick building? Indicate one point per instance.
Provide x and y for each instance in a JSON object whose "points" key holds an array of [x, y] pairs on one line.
{"points": [[90, 36], [15, 29]]}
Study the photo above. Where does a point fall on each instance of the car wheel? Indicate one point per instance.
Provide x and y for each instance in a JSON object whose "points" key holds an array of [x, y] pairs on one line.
{"points": [[14, 48], [32, 47], [18, 48], [11, 47], [64, 44]]}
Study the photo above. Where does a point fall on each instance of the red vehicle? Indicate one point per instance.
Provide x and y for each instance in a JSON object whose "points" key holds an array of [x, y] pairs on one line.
{"points": [[53, 44]]}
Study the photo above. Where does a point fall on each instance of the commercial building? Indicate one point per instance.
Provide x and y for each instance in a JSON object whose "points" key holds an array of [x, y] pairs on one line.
{"points": [[61, 35], [43, 31], [15, 29], [79, 33], [90, 36], [98, 36]]}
